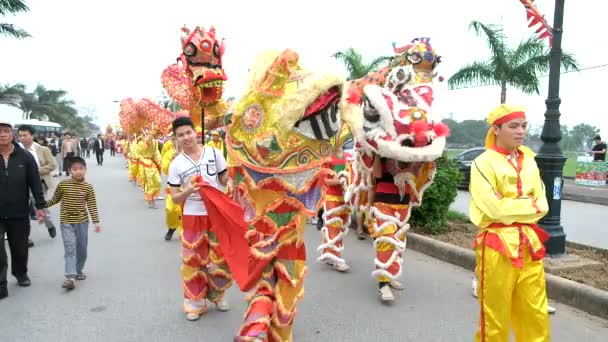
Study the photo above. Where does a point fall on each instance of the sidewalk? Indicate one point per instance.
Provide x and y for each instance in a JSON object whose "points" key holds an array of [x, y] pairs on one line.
{"points": [[586, 194]]}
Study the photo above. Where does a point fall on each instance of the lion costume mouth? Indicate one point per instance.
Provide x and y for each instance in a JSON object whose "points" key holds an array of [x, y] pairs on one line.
{"points": [[321, 120]]}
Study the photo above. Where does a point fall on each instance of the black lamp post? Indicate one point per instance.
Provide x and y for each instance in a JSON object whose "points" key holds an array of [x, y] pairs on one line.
{"points": [[550, 158]]}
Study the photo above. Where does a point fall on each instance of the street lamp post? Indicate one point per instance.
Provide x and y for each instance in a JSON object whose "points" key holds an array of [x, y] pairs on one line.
{"points": [[550, 158]]}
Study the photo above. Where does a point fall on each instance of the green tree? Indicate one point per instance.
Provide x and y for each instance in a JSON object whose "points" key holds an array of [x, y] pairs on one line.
{"points": [[582, 136], [50, 105], [518, 68], [466, 134], [12, 7], [356, 66], [10, 95]]}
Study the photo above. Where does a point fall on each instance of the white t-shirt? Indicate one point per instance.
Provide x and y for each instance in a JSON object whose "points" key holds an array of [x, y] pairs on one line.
{"points": [[32, 151], [183, 168]]}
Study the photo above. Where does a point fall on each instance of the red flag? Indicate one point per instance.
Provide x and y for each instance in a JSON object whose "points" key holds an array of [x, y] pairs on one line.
{"points": [[227, 218]]}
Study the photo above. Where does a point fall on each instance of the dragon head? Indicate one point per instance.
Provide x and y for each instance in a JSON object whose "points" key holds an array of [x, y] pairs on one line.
{"points": [[202, 57], [287, 118], [394, 119]]}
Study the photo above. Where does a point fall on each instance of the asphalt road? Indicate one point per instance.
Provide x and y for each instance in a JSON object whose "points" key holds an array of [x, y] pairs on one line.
{"points": [[583, 222], [133, 290]]}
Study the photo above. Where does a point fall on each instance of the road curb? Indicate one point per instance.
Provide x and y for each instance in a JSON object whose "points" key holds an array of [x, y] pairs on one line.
{"points": [[577, 295], [585, 198]]}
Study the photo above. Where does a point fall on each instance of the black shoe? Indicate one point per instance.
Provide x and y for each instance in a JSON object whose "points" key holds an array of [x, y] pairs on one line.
{"points": [[52, 232], [24, 280], [3, 292], [169, 234], [30, 243]]}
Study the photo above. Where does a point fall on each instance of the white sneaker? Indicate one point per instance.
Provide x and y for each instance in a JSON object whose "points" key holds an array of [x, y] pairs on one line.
{"points": [[474, 287], [551, 310], [222, 305], [341, 267], [386, 295], [396, 285], [191, 316]]}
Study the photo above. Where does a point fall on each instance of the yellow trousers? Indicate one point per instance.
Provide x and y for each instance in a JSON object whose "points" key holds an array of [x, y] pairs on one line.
{"points": [[133, 170], [511, 297], [151, 182], [173, 214]]}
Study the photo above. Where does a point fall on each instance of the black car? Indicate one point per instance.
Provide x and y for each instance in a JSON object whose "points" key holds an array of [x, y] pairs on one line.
{"points": [[464, 161]]}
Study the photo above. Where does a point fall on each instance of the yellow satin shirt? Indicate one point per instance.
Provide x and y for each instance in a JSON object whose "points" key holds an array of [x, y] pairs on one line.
{"points": [[507, 199]]}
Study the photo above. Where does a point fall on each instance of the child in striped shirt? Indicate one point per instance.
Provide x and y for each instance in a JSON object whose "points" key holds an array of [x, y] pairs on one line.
{"points": [[76, 197]]}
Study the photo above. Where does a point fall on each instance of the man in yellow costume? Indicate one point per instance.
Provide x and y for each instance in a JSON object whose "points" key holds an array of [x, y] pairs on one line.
{"points": [[149, 161], [173, 211], [507, 200], [133, 160], [217, 142]]}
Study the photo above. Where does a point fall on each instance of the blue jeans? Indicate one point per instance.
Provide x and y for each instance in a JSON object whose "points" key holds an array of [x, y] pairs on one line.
{"points": [[75, 239]]}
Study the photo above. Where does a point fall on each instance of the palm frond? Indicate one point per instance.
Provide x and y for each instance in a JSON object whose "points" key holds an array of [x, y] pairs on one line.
{"points": [[496, 41], [353, 61], [531, 47], [524, 80], [477, 72], [10, 30], [378, 62], [568, 62], [12, 7]]}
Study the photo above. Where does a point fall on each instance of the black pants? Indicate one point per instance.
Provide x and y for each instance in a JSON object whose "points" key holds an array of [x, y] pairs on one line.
{"points": [[112, 152], [99, 155], [17, 231], [66, 161]]}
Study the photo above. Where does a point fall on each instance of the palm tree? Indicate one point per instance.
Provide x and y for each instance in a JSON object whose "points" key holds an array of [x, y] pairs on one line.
{"points": [[355, 65], [10, 95], [518, 68], [12, 7], [48, 104]]}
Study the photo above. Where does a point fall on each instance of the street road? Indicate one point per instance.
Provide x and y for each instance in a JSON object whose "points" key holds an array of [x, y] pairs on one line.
{"points": [[583, 222], [133, 290]]}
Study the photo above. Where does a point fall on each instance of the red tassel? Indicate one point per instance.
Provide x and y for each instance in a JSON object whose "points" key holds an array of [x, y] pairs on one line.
{"points": [[441, 129]]}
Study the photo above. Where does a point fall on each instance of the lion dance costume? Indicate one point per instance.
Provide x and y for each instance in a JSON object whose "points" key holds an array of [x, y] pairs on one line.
{"points": [[336, 215], [398, 138], [278, 141]]}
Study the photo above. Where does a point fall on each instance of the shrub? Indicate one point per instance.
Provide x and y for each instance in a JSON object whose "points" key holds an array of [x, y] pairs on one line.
{"points": [[432, 215]]}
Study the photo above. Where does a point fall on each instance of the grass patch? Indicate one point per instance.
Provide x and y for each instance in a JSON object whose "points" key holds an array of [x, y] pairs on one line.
{"points": [[458, 216]]}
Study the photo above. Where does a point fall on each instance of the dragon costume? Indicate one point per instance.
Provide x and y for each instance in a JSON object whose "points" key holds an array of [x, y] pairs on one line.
{"points": [[398, 138], [196, 82]]}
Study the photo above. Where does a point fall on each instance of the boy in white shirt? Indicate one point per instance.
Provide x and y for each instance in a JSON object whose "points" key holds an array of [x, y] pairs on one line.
{"points": [[204, 270]]}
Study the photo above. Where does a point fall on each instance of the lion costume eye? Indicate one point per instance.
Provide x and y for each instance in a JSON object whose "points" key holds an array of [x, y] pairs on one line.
{"points": [[370, 113], [414, 58]]}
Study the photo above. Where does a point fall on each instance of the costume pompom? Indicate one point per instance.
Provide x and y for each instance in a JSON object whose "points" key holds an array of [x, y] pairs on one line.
{"points": [[441, 129]]}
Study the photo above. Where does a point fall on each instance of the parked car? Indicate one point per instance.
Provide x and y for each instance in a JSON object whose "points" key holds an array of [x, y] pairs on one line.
{"points": [[464, 161], [349, 147]]}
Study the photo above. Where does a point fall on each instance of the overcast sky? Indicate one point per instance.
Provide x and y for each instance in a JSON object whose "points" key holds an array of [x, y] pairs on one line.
{"points": [[101, 51]]}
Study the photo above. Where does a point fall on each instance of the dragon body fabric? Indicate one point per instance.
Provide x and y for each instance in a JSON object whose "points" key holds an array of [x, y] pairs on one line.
{"points": [[278, 141], [389, 114]]}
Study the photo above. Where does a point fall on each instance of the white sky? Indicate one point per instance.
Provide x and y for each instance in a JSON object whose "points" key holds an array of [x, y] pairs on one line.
{"points": [[100, 51]]}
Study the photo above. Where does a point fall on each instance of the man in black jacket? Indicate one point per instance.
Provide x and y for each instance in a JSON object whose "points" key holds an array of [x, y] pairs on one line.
{"points": [[18, 176], [99, 149]]}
